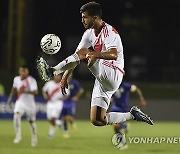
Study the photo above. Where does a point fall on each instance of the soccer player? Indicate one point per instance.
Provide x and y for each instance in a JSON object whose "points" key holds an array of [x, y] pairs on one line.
{"points": [[69, 105], [106, 62], [52, 93], [26, 87]]}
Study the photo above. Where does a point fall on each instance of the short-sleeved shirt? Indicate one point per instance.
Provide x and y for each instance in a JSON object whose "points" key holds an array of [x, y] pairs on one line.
{"points": [[54, 91], [28, 84], [106, 39]]}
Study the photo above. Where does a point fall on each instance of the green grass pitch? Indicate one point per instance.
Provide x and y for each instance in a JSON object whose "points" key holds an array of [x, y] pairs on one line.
{"points": [[87, 139]]}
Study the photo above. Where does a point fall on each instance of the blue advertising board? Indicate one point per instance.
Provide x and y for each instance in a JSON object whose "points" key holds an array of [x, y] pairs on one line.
{"points": [[6, 111]]}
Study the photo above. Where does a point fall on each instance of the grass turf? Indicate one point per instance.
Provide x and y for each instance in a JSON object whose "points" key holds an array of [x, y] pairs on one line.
{"points": [[87, 139]]}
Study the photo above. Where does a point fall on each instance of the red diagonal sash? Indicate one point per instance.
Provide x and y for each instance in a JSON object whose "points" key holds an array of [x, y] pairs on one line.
{"points": [[24, 85], [53, 92]]}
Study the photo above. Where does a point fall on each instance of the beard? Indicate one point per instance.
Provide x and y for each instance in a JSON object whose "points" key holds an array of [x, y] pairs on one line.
{"points": [[89, 25]]}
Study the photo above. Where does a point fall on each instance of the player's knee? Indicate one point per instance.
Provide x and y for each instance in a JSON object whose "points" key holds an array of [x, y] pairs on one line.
{"points": [[95, 122]]}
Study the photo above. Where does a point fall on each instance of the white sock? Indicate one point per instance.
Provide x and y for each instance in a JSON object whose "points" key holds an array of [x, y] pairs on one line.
{"points": [[17, 124], [51, 130], [67, 64], [116, 118], [33, 128]]}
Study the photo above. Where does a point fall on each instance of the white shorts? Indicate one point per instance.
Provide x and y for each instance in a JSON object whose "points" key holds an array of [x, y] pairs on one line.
{"points": [[108, 80], [28, 108], [54, 109]]}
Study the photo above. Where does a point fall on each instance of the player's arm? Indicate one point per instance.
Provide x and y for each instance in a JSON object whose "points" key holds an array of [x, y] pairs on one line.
{"points": [[12, 93], [45, 91], [78, 95], [110, 54], [134, 88], [34, 92], [45, 95]]}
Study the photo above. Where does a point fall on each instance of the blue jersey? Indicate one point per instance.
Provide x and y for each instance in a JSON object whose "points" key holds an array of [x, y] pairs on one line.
{"points": [[69, 104], [121, 98], [74, 87]]}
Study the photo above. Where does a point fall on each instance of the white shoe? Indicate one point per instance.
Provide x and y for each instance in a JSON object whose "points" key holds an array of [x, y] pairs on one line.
{"points": [[17, 139], [34, 141]]}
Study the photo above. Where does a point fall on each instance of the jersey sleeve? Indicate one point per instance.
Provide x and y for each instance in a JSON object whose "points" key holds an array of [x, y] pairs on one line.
{"points": [[111, 41], [15, 83], [85, 42], [127, 85], [45, 87], [33, 84]]}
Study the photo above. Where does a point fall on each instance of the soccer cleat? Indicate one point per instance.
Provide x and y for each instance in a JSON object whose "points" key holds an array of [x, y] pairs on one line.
{"points": [[34, 141], [17, 139], [140, 116], [45, 71]]}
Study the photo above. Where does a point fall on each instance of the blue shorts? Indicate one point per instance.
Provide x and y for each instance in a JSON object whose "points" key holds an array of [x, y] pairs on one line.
{"points": [[69, 108]]}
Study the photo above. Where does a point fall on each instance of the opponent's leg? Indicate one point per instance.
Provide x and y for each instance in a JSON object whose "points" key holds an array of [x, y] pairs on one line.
{"points": [[71, 61], [17, 127], [66, 132], [122, 127]]}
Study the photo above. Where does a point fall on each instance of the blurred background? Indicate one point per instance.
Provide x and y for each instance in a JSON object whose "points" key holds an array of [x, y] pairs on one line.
{"points": [[149, 31]]}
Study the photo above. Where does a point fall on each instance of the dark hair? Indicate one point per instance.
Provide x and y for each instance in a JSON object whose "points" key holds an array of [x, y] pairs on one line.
{"points": [[24, 66], [93, 9]]}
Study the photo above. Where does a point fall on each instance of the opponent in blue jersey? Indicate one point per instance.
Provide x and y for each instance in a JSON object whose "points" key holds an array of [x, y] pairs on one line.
{"points": [[120, 102], [69, 105]]}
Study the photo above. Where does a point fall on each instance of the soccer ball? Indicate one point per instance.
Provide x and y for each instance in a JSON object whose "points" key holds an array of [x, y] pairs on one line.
{"points": [[50, 44]]}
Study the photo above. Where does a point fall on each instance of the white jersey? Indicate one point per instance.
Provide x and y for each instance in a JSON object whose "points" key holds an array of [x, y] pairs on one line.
{"points": [[53, 90], [106, 39], [28, 84]]}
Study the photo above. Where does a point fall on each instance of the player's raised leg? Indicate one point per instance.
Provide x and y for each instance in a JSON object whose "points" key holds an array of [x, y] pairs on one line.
{"points": [[71, 61]]}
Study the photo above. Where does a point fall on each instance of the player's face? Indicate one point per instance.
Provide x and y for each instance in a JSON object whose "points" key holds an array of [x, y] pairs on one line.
{"points": [[23, 72], [57, 78], [87, 20]]}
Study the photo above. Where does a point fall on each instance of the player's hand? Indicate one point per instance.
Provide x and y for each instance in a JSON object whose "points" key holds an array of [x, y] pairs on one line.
{"points": [[64, 86], [75, 98], [91, 57], [21, 91]]}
